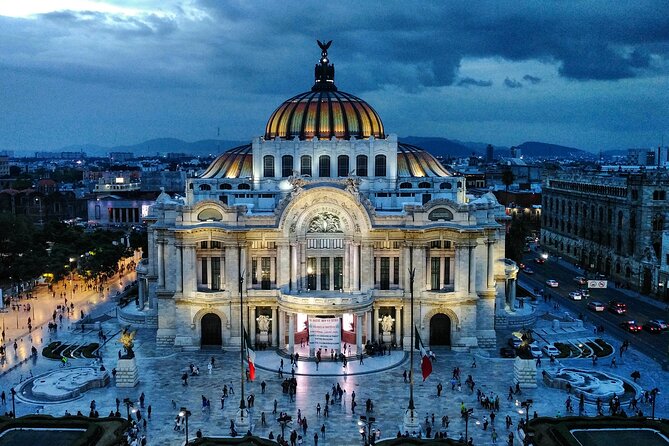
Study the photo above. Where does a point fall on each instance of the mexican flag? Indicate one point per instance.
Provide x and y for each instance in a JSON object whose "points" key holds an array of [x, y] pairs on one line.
{"points": [[250, 356], [425, 362]]}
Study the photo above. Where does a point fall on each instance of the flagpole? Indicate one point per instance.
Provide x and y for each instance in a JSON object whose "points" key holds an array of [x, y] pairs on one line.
{"points": [[242, 403], [411, 408]]}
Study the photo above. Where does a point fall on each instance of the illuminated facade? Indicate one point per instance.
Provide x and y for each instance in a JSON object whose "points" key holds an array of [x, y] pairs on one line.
{"points": [[324, 217]]}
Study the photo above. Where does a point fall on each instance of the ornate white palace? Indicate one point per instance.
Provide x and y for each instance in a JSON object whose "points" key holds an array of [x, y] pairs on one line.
{"points": [[324, 217]]}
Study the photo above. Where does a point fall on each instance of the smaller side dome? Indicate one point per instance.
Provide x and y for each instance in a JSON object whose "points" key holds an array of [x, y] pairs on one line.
{"points": [[414, 162], [235, 163]]}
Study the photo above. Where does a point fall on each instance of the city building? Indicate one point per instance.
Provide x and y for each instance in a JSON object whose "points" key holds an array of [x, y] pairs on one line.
{"points": [[319, 223], [611, 223]]}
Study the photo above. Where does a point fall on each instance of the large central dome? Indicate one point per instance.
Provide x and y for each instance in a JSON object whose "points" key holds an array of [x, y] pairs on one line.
{"points": [[324, 111]]}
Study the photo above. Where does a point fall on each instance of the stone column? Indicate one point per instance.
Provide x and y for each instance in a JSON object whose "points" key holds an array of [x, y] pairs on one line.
{"points": [[243, 266], [303, 266], [281, 329], [419, 265], [232, 266], [358, 333], [398, 325], [368, 326], [274, 325], [293, 267], [367, 271], [210, 274], [273, 272], [161, 264], [375, 323], [490, 280], [291, 333], [140, 292], [377, 272], [391, 272], [252, 326], [346, 282], [179, 286], [356, 267], [442, 273], [512, 294], [471, 268], [282, 263], [461, 268], [405, 261]]}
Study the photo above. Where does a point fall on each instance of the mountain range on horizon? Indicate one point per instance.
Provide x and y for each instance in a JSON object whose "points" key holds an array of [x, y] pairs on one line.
{"points": [[438, 146]]}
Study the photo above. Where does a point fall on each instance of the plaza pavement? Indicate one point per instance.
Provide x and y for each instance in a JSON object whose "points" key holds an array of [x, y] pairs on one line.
{"points": [[380, 378]]}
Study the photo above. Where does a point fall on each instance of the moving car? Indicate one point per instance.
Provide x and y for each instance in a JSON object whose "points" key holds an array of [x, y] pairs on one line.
{"points": [[585, 292], [661, 323], [535, 351], [581, 280], [551, 350], [617, 307], [596, 306], [528, 270], [507, 352], [552, 283], [514, 342], [631, 326], [540, 260], [575, 295], [653, 327]]}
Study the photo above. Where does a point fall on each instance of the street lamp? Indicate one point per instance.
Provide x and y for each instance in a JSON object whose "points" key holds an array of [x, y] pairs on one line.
{"points": [[13, 392], [467, 413], [526, 405], [283, 421], [186, 414], [653, 395], [369, 421], [128, 404]]}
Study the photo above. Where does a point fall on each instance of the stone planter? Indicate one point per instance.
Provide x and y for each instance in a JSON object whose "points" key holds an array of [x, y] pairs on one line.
{"points": [[127, 374], [525, 373]]}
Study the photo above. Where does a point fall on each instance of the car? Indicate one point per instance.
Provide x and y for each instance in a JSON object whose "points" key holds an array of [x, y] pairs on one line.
{"points": [[662, 323], [535, 351], [514, 342], [540, 260], [631, 326], [550, 350], [581, 280], [575, 295], [552, 283], [617, 307], [507, 352], [584, 292], [528, 270], [596, 306], [653, 327]]}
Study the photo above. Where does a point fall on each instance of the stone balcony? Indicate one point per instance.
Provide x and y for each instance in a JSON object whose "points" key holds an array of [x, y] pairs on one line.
{"points": [[326, 302]]}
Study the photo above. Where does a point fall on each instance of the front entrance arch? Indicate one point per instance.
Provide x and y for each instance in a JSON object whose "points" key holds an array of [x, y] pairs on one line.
{"points": [[211, 330], [440, 330]]}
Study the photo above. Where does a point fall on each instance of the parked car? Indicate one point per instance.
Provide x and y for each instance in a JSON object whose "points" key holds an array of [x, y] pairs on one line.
{"points": [[507, 352], [552, 283], [575, 295], [596, 306], [661, 323], [653, 327], [535, 351], [581, 280], [617, 307], [631, 326], [540, 260], [514, 342], [528, 270], [551, 350]]}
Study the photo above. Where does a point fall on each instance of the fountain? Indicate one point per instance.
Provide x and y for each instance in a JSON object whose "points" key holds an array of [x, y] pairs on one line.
{"points": [[62, 384], [592, 384]]}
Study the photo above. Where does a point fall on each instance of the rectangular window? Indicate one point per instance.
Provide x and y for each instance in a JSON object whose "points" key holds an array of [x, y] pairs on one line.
{"points": [[311, 273], [324, 166], [305, 165], [338, 273], [254, 270], [204, 245], [385, 273], [205, 275], [361, 166], [342, 166], [215, 273], [447, 270], [215, 245], [435, 244], [265, 271], [325, 273], [396, 270], [286, 166], [434, 273], [268, 166]]}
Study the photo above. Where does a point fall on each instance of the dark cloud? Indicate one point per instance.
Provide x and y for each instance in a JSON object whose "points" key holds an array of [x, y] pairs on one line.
{"points": [[512, 83], [468, 81], [531, 79]]}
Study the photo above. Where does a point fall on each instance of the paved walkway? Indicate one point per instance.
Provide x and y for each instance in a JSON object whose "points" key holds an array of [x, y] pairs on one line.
{"points": [[379, 378]]}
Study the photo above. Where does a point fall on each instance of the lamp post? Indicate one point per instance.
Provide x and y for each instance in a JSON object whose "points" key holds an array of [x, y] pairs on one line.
{"points": [[186, 414], [410, 421], [368, 421], [13, 392], [653, 395], [467, 413], [526, 405], [128, 404]]}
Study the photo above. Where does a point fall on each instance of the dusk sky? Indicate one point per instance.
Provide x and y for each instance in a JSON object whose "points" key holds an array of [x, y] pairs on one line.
{"points": [[587, 74]]}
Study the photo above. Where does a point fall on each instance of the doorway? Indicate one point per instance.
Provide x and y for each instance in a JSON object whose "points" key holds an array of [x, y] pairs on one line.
{"points": [[440, 330], [211, 330]]}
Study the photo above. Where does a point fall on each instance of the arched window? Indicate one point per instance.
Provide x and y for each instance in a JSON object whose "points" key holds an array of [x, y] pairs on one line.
{"points": [[405, 186], [205, 187], [286, 166], [446, 186], [361, 165], [324, 166], [305, 165], [268, 166], [244, 186], [342, 166], [210, 214], [440, 214], [424, 185], [380, 166], [225, 186]]}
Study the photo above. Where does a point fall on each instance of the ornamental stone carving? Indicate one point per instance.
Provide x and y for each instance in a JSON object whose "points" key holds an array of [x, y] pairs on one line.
{"points": [[387, 323], [325, 222], [263, 323]]}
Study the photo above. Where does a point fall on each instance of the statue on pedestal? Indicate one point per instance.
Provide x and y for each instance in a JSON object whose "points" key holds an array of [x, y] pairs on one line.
{"points": [[263, 325], [387, 322]]}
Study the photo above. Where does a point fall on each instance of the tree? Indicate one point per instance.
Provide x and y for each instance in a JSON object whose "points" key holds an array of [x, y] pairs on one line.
{"points": [[515, 240]]}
